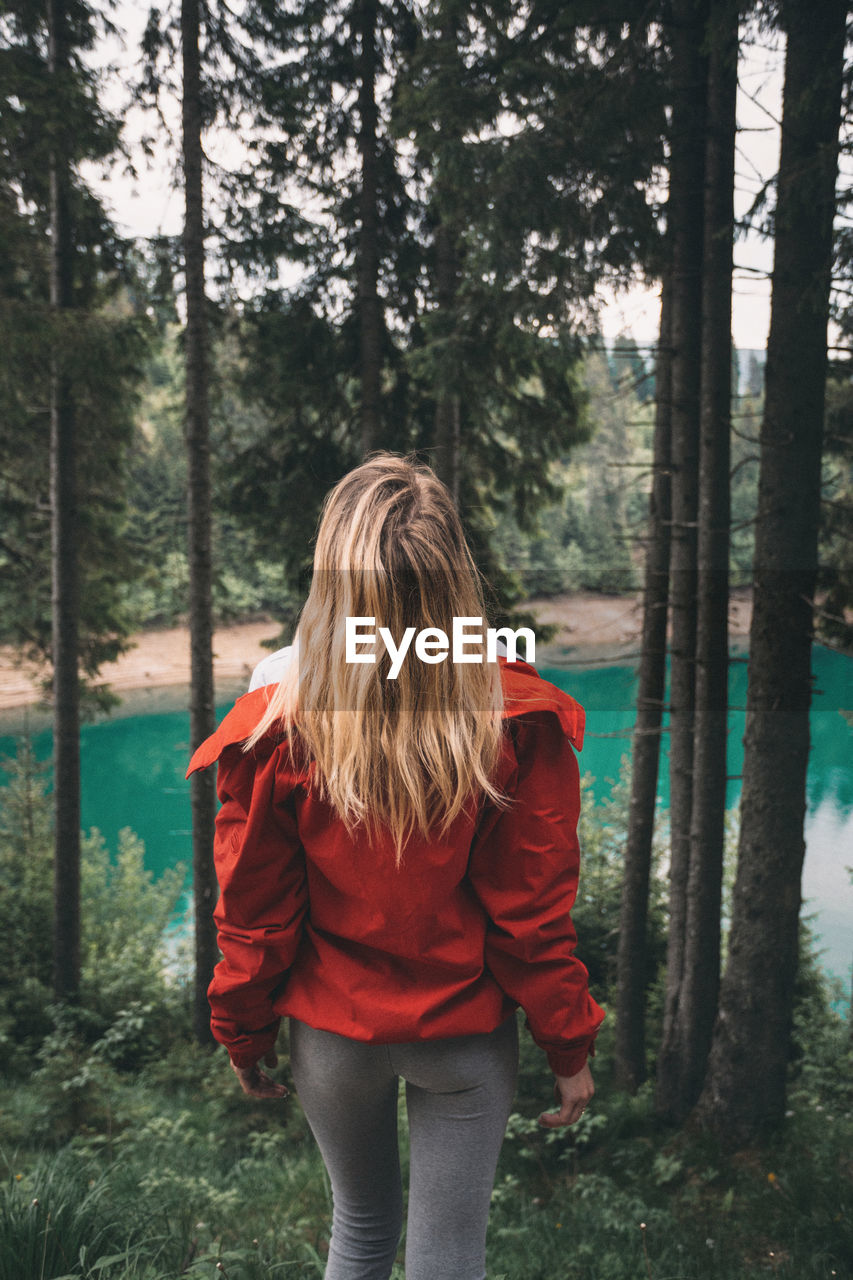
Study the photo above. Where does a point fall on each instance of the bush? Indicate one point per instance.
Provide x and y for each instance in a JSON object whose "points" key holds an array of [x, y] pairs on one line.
{"points": [[26, 907], [124, 916], [603, 834], [132, 999]]}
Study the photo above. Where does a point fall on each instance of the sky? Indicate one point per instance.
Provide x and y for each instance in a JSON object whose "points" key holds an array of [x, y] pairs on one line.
{"points": [[150, 204], [759, 109]]}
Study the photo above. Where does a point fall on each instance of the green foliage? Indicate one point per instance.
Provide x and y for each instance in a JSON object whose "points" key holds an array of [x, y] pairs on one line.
{"points": [[26, 873], [835, 577], [746, 425], [156, 526], [245, 583], [588, 540], [835, 572], [210, 1176], [124, 915], [629, 369], [784, 1209], [132, 994], [60, 1220], [95, 346], [469, 113], [603, 832], [220, 1179], [102, 351]]}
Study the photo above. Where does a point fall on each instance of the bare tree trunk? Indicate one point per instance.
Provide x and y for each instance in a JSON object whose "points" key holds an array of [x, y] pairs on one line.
{"points": [[446, 442], [744, 1094], [369, 303], [697, 1004], [686, 192], [446, 439], [65, 590], [632, 961], [202, 708]]}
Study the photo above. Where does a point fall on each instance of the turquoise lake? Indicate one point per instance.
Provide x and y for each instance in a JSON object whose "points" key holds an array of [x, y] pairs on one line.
{"points": [[133, 776]]}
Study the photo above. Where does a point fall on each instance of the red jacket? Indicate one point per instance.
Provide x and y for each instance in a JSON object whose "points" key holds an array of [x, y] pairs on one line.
{"points": [[323, 927]]}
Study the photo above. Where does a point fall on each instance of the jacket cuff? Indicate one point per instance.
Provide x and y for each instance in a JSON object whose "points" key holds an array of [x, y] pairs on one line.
{"points": [[247, 1049], [568, 1062]]}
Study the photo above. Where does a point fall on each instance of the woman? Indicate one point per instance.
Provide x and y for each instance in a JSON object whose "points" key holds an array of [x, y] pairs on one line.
{"points": [[397, 860]]}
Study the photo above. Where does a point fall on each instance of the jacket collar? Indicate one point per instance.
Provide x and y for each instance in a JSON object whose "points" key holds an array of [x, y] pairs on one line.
{"points": [[525, 692]]}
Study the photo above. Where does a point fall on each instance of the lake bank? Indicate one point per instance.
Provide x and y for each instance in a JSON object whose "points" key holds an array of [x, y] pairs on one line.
{"points": [[155, 673]]}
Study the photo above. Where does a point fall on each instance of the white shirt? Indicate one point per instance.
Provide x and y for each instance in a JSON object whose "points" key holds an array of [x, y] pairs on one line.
{"points": [[270, 669]]}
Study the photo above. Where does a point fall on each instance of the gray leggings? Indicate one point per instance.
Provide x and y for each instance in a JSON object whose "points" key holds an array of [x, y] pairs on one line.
{"points": [[459, 1094]]}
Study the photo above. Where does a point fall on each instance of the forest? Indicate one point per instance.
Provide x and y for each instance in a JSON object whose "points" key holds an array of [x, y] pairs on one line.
{"points": [[399, 219]]}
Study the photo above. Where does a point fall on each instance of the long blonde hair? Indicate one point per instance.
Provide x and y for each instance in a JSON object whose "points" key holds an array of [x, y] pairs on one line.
{"points": [[405, 753]]}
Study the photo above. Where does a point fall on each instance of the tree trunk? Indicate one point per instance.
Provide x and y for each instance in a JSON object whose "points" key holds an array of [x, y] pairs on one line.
{"points": [[686, 194], [697, 1005], [744, 1095], [64, 566], [632, 962], [369, 303], [202, 710], [446, 439], [446, 443]]}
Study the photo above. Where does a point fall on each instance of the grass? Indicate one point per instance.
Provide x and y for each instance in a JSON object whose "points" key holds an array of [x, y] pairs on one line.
{"points": [[173, 1172]]}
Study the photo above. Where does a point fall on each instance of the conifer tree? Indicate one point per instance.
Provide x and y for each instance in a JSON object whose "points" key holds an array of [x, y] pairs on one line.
{"points": [[744, 1093], [686, 186], [202, 708], [63, 540], [66, 398], [484, 296], [632, 962], [701, 973]]}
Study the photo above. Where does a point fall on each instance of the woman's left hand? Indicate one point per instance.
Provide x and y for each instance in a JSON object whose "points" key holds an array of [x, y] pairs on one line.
{"points": [[256, 1082], [572, 1093]]}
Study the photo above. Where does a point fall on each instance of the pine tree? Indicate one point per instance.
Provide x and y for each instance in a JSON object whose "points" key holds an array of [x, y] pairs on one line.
{"points": [[370, 317], [701, 972], [744, 1093], [632, 962], [483, 295], [687, 177], [63, 541], [202, 704], [629, 367], [66, 398]]}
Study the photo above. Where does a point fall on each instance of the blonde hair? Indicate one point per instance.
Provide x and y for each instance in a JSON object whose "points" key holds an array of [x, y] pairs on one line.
{"points": [[406, 753]]}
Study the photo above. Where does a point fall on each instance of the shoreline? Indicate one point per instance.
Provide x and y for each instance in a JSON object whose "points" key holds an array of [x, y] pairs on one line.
{"points": [[154, 675]]}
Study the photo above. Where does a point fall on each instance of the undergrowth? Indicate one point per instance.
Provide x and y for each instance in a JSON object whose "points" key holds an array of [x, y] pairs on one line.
{"points": [[128, 1153], [173, 1172]]}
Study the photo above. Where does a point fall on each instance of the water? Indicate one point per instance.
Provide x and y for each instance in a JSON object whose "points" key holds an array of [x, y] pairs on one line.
{"points": [[133, 776], [609, 694]]}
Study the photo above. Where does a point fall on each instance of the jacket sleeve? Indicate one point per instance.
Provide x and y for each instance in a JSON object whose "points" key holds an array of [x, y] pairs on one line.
{"points": [[260, 866], [524, 869]]}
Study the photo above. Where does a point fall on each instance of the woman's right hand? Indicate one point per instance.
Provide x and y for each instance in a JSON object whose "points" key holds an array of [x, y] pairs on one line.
{"points": [[257, 1083], [573, 1093]]}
